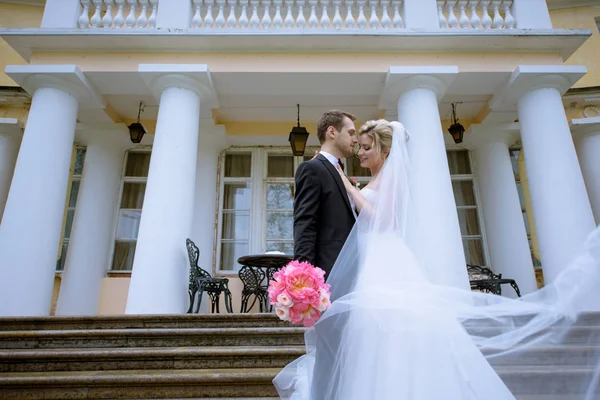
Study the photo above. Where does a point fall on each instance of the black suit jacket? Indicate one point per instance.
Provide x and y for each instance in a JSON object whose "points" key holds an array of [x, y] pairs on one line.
{"points": [[323, 215]]}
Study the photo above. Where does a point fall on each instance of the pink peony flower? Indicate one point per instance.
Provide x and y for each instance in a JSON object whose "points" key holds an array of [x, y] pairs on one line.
{"points": [[284, 299], [299, 293], [283, 313]]}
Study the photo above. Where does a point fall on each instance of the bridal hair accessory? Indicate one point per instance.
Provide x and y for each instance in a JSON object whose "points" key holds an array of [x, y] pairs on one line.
{"points": [[299, 293]]}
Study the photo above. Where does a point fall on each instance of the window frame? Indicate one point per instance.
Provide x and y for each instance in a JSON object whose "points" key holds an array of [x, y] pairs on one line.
{"points": [[478, 206], [123, 180]]}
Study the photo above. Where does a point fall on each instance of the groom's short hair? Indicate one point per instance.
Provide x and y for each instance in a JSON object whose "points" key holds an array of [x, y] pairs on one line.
{"points": [[333, 118]]}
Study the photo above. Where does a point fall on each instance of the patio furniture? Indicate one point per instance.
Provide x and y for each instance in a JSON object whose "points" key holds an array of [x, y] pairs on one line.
{"points": [[256, 273], [201, 281], [484, 280]]}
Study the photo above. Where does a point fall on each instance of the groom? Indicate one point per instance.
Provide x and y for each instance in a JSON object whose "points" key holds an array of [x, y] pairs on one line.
{"points": [[323, 213], [323, 219]]}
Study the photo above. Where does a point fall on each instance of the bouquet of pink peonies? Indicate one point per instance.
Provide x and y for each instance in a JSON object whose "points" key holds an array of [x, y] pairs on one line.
{"points": [[299, 293]]}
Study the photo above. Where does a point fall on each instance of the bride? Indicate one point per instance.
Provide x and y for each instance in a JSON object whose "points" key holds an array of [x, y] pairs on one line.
{"points": [[393, 334]]}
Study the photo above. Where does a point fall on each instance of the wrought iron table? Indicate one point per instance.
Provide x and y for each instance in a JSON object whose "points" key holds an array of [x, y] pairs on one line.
{"points": [[255, 270]]}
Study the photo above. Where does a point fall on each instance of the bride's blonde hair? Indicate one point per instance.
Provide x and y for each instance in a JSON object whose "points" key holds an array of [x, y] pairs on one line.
{"points": [[381, 131]]}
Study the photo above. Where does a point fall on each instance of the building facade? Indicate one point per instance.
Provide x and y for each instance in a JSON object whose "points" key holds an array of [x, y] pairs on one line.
{"points": [[93, 223]]}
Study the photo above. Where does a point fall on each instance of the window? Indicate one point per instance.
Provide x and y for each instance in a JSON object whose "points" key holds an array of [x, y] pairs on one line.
{"points": [[236, 208], [463, 186], [74, 191], [515, 152], [133, 188], [257, 200]]}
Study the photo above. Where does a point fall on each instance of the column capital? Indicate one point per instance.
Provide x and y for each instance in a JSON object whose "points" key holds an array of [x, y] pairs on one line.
{"points": [[194, 77], [585, 127], [67, 78], [527, 78], [479, 135], [402, 79], [11, 127]]}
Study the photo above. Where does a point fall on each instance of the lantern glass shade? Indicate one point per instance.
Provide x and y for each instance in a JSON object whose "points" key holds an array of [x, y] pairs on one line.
{"points": [[136, 132], [457, 131], [298, 138]]}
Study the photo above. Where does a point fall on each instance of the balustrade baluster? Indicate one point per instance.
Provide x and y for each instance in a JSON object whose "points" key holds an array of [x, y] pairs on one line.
{"points": [[84, 18]]}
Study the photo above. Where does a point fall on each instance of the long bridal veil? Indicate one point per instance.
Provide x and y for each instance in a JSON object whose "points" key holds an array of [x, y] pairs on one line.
{"points": [[393, 334]]}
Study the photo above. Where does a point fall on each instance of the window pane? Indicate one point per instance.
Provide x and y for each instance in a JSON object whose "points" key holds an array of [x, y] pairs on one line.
{"points": [[79, 158], [230, 252], [468, 221], [280, 167], [60, 264], [514, 157], [74, 191], [459, 163], [463, 193], [236, 225], [284, 247], [520, 192], [238, 165], [69, 222], [123, 257], [353, 168], [129, 224], [473, 251], [138, 164], [133, 195], [237, 196], [280, 196], [280, 225]]}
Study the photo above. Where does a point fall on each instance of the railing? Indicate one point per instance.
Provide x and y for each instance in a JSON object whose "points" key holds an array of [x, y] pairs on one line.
{"points": [[475, 14], [298, 14], [118, 13]]}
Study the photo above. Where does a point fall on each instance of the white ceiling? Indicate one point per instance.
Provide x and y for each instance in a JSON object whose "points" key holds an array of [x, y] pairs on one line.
{"points": [[262, 96]]}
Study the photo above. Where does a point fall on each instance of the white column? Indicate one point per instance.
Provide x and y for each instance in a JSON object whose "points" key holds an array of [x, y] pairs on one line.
{"points": [[561, 209], [159, 278], [433, 230], [61, 14], [174, 14], [531, 14], [421, 14], [91, 234], [505, 228], [32, 222], [11, 133], [586, 133]]}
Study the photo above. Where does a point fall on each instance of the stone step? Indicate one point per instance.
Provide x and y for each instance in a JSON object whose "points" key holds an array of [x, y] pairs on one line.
{"points": [[184, 337], [190, 337], [555, 383], [255, 320], [546, 380], [104, 359], [577, 335], [147, 384]]}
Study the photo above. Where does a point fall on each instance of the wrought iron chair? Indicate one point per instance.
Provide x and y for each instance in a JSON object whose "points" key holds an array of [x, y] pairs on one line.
{"points": [[252, 279], [484, 280], [201, 281]]}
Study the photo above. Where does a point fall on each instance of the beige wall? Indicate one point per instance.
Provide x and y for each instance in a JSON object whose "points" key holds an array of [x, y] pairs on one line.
{"points": [[15, 16], [113, 296], [589, 53]]}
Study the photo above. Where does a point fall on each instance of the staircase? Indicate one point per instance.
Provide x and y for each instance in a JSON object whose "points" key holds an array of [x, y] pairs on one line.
{"points": [[233, 356], [144, 357]]}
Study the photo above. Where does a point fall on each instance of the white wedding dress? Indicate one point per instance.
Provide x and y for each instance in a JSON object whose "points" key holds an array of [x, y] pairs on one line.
{"points": [[392, 334]]}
